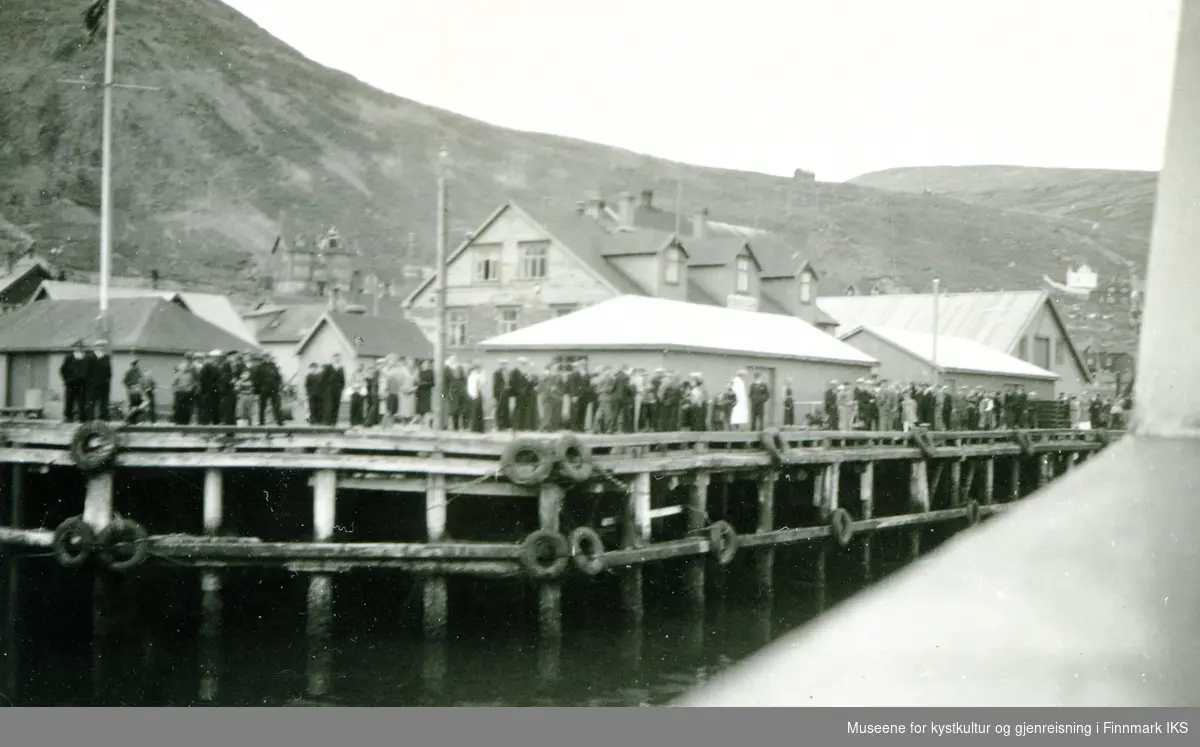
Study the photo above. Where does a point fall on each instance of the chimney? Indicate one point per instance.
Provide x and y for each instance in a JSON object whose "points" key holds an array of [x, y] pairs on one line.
{"points": [[356, 309], [626, 206], [154, 279], [700, 224], [595, 206], [647, 198]]}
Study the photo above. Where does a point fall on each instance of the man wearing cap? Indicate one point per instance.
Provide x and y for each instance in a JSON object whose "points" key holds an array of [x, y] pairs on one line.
{"points": [[500, 394], [831, 406], [760, 394], [312, 393], [333, 385], [268, 382], [99, 380], [206, 389], [74, 373]]}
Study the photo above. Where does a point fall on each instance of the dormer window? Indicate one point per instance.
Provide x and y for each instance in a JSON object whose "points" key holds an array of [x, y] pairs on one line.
{"points": [[806, 279], [674, 265], [743, 274]]}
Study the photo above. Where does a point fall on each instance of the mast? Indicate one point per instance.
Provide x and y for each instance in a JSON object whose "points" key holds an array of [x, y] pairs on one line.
{"points": [[936, 374], [106, 170], [439, 340]]}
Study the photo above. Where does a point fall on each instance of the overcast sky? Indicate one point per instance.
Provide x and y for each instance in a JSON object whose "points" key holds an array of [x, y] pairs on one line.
{"points": [[839, 87]]}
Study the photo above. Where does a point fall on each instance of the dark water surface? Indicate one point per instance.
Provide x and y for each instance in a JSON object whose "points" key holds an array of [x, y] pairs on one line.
{"points": [[148, 647]]}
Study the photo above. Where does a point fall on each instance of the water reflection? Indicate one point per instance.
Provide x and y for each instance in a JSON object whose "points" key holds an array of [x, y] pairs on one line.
{"points": [[168, 636]]}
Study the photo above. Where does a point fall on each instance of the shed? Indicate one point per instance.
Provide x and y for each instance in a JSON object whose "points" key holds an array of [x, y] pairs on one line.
{"points": [[905, 355], [361, 338], [35, 338], [688, 337]]}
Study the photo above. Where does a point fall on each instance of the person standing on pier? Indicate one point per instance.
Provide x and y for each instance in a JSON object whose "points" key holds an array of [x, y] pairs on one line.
{"points": [[789, 404], [183, 388], [648, 418], [723, 407], [760, 394], [831, 406], [620, 398], [547, 406], [312, 394], [699, 402], [358, 396], [845, 408], [74, 374], [227, 379], [475, 398], [670, 398], [500, 395], [99, 381], [424, 393], [739, 417], [134, 400], [268, 384], [206, 390], [333, 386], [372, 412], [908, 412], [517, 383]]}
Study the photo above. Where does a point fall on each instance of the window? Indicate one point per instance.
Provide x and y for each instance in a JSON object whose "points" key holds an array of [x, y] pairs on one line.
{"points": [[805, 287], [743, 274], [1041, 352], [1060, 352], [487, 263], [456, 328], [533, 259], [508, 320], [674, 263], [564, 309]]}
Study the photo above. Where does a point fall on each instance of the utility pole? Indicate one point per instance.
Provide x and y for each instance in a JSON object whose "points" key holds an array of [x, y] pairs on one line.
{"points": [[439, 340], [936, 283]]}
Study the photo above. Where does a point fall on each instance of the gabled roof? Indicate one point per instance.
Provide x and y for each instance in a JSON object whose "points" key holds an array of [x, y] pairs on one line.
{"points": [[147, 325], [954, 354], [23, 268], [217, 309], [640, 322], [717, 252], [995, 319], [374, 337], [288, 324], [641, 242]]}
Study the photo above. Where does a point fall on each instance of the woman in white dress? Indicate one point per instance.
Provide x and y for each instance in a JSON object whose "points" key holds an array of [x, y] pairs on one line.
{"points": [[739, 418]]}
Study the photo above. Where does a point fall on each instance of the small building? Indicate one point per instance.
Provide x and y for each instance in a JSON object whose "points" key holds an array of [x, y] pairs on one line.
{"points": [[1023, 324], [688, 337], [908, 356], [360, 339], [21, 279], [35, 338]]}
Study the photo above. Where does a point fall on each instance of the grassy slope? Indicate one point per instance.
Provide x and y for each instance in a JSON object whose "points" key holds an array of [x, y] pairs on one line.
{"points": [[245, 127]]}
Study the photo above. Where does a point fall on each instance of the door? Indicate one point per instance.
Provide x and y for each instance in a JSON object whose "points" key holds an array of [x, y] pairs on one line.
{"points": [[26, 372]]}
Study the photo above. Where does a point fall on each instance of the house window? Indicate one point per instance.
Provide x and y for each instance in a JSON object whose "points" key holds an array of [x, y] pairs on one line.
{"points": [[743, 274], [533, 260], [487, 264], [805, 287], [456, 328], [1060, 352], [508, 320], [674, 264], [564, 309], [1041, 352]]}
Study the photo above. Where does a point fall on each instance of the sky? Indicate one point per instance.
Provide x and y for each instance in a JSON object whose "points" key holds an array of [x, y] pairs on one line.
{"points": [[837, 87]]}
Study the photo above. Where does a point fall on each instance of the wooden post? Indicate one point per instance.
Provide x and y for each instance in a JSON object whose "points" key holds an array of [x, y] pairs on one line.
{"points": [[1072, 461], [919, 492], [764, 613], [866, 497], [549, 593], [1015, 486], [635, 531], [820, 573], [12, 619], [989, 480], [433, 666], [1043, 470], [436, 595], [98, 503], [956, 479], [833, 485], [210, 593], [102, 634], [766, 522], [697, 520], [819, 488], [693, 637], [320, 587]]}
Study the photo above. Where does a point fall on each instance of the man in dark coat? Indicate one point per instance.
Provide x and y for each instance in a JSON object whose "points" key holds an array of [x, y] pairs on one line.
{"points": [[333, 384], [455, 394], [576, 405], [760, 393], [501, 395], [99, 380], [267, 385], [74, 373], [312, 391], [227, 377], [520, 389], [208, 389], [621, 399], [831, 406]]}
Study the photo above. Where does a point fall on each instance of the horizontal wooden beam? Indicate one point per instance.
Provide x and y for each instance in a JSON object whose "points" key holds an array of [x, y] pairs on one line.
{"points": [[179, 547], [421, 484], [485, 568]]}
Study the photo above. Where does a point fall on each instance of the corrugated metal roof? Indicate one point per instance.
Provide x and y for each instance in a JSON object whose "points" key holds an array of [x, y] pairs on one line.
{"points": [[954, 353], [642, 322], [136, 324], [995, 319]]}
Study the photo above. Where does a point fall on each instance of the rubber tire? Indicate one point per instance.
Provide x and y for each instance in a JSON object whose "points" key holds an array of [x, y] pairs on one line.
{"points": [[724, 540], [519, 473], [589, 562], [122, 532], [841, 527], [86, 455], [530, 555], [972, 512], [74, 542], [573, 458]]}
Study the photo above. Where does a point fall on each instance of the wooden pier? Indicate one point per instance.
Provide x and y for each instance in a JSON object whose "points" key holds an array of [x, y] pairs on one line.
{"points": [[552, 508]]}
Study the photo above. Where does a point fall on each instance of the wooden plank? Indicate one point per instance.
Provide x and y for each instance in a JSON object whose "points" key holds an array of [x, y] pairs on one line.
{"points": [[181, 546], [550, 593], [866, 499], [26, 537], [989, 480], [765, 559], [453, 487], [697, 519], [633, 557]]}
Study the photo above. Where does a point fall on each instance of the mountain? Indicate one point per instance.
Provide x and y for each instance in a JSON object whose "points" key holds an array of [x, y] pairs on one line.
{"points": [[1117, 202], [244, 127]]}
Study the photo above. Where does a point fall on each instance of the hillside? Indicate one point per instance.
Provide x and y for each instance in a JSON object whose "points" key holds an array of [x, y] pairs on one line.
{"points": [[245, 127], [1119, 202]]}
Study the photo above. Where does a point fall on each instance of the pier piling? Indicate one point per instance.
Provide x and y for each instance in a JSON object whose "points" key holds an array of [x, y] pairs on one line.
{"points": [[697, 520], [765, 558], [435, 595], [210, 592], [320, 587], [866, 499]]}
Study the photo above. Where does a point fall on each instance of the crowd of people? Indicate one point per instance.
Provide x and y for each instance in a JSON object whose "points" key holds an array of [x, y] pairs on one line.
{"points": [[223, 388]]}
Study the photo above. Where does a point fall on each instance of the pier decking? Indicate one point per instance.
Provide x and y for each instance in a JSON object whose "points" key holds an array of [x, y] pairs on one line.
{"points": [[550, 507]]}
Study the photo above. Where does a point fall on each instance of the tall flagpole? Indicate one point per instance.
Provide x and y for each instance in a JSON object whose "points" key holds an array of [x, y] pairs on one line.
{"points": [[106, 170], [439, 340], [936, 283], [678, 206]]}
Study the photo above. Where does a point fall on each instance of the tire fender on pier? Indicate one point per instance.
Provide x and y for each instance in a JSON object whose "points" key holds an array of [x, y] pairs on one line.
{"points": [[972, 512], [587, 550], [73, 544], [723, 539], [573, 457], [527, 461], [545, 554], [94, 446], [124, 545], [841, 526]]}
